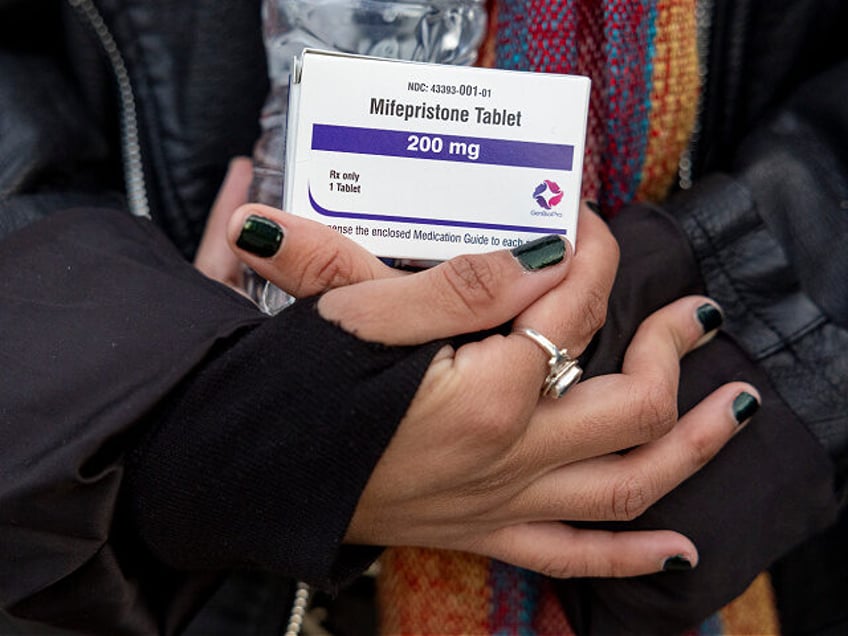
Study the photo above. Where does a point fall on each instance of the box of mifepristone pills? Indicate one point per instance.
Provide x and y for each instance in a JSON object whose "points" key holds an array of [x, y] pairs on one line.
{"points": [[428, 161]]}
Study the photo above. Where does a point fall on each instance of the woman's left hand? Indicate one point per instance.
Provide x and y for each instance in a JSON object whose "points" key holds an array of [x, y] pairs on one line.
{"points": [[479, 463]]}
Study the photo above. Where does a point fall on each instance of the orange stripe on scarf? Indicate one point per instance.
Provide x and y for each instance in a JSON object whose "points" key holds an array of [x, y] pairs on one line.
{"points": [[424, 591], [674, 97]]}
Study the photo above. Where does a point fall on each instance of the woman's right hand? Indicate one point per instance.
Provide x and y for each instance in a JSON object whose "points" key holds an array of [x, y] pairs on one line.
{"points": [[480, 462]]}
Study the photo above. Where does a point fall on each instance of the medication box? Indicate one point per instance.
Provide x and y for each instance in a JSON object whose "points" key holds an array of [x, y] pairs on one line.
{"points": [[428, 161]]}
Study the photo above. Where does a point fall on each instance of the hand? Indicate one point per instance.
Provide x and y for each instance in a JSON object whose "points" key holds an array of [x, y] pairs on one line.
{"points": [[480, 463], [214, 257]]}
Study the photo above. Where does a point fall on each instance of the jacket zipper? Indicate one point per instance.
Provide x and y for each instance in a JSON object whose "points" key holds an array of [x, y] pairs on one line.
{"points": [[137, 194], [130, 146], [298, 609], [703, 28]]}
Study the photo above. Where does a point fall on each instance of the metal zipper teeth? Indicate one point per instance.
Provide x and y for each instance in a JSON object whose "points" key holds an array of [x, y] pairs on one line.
{"points": [[298, 610], [703, 26], [137, 194], [130, 146]]}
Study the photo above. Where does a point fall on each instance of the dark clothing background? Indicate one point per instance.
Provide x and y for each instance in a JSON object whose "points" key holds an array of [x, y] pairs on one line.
{"points": [[114, 345]]}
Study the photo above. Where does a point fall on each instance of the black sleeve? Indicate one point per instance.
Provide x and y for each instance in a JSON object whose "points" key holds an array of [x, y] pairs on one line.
{"points": [[263, 453], [100, 318], [112, 345]]}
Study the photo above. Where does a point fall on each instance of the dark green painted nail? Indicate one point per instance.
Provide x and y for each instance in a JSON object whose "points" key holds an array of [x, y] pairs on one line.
{"points": [[543, 252], [260, 236], [709, 316], [593, 205], [676, 563], [744, 407]]}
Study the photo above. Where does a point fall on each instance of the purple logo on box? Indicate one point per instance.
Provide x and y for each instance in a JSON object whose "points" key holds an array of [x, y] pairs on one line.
{"points": [[548, 194]]}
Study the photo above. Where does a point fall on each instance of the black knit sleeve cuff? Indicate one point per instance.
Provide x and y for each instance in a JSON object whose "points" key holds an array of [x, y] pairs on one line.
{"points": [[261, 456]]}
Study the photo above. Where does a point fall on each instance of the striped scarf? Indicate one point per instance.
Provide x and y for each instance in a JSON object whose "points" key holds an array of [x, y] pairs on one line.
{"points": [[641, 56], [436, 592]]}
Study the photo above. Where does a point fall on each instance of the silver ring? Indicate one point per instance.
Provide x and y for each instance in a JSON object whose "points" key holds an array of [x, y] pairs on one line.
{"points": [[564, 370]]}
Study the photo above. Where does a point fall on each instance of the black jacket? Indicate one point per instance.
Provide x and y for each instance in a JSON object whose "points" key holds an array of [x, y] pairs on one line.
{"points": [[759, 231], [112, 343], [118, 503]]}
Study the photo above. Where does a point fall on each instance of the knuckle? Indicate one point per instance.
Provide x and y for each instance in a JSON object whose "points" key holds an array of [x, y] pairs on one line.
{"points": [[617, 569], [485, 425], [500, 427], [567, 567], [594, 312], [701, 446], [471, 280], [613, 248], [563, 567], [657, 412], [324, 270], [608, 246], [629, 498]]}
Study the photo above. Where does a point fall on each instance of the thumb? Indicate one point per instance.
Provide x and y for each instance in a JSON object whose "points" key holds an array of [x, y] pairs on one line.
{"points": [[299, 256], [214, 257]]}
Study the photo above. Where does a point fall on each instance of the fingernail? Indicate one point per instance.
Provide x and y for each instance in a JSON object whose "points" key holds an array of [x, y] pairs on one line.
{"points": [[744, 407], [260, 236], [677, 563], [593, 205], [543, 252], [709, 316]]}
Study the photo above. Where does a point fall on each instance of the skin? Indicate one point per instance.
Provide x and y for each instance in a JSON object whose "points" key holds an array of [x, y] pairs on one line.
{"points": [[480, 462]]}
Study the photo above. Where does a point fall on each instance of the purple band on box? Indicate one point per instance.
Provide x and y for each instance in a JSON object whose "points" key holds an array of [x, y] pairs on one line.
{"points": [[415, 145]]}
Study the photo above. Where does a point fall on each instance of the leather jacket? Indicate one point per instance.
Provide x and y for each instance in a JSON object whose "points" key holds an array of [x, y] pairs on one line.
{"points": [[760, 230]]}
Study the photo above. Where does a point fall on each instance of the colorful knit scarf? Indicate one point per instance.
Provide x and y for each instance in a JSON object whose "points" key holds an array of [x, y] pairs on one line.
{"points": [[641, 56]]}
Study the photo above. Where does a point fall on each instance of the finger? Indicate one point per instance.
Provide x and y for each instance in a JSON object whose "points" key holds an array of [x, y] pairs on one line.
{"points": [[622, 487], [561, 551], [637, 406], [670, 333], [660, 466], [214, 257], [463, 295], [299, 256], [570, 314]]}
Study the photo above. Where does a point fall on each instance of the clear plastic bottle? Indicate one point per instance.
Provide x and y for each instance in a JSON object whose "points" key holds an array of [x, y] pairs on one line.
{"points": [[440, 31]]}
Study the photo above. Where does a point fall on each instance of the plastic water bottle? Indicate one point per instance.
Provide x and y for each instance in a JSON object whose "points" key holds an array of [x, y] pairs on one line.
{"points": [[440, 31]]}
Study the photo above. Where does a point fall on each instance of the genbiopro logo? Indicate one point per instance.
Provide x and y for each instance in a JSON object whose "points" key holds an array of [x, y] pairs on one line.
{"points": [[547, 194]]}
